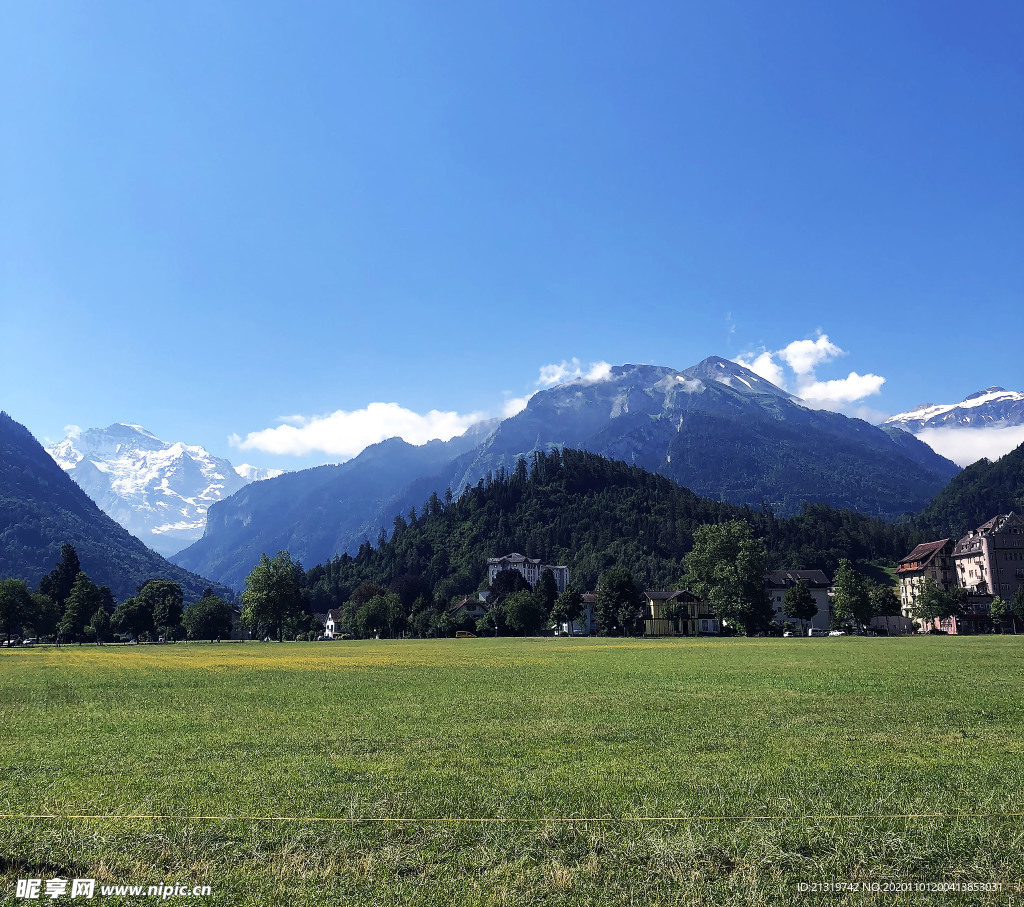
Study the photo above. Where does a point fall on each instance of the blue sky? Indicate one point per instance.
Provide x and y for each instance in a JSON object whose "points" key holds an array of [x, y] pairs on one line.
{"points": [[213, 216]]}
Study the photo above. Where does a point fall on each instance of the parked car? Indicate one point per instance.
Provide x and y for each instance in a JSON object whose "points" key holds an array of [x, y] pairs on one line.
{"points": [[815, 631], [836, 632], [465, 634], [31, 641]]}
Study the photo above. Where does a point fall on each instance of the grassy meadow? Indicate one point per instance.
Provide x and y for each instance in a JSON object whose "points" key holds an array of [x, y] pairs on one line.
{"points": [[602, 771]]}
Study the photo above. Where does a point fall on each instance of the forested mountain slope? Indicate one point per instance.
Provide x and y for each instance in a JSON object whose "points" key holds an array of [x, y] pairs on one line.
{"points": [[589, 513]]}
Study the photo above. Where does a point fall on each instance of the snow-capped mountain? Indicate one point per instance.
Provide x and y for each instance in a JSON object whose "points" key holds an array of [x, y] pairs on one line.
{"points": [[994, 407], [158, 491]]}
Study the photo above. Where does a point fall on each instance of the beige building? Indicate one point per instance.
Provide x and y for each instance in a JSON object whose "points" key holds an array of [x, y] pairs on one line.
{"points": [[929, 560], [678, 613], [989, 560], [530, 569]]}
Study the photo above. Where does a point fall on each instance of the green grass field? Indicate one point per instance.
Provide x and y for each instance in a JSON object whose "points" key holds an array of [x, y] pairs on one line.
{"points": [[604, 771]]}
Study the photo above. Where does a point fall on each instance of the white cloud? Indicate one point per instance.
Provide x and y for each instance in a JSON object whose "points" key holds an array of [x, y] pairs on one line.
{"points": [[765, 366], [344, 434], [514, 405], [804, 356], [571, 369], [72, 431], [820, 394], [968, 445]]}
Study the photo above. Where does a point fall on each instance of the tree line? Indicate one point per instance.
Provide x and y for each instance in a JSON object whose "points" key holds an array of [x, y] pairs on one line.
{"points": [[69, 607]]}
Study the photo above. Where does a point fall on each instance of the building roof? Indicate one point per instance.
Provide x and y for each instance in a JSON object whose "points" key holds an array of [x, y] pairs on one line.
{"points": [[334, 614], [922, 555], [468, 604], [655, 595], [513, 558], [781, 579], [516, 558]]}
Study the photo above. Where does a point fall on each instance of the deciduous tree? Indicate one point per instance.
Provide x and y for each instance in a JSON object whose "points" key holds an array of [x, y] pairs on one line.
{"points": [[15, 606], [619, 603], [164, 600], [851, 599], [568, 607], [273, 592], [209, 618], [799, 604], [726, 569], [82, 602]]}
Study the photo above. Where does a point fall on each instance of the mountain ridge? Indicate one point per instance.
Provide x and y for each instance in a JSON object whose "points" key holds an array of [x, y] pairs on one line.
{"points": [[716, 428]]}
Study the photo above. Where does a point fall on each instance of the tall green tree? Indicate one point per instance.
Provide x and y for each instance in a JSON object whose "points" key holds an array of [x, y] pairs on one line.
{"points": [[568, 607], [15, 606], [44, 616], [619, 603], [273, 593], [851, 599], [504, 584], [999, 610], [164, 600], [98, 628], [57, 584], [209, 618], [885, 600], [726, 569], [133, 616], [799, 604], [547, 588], [932, 602], [82, 602], [522, 613]]}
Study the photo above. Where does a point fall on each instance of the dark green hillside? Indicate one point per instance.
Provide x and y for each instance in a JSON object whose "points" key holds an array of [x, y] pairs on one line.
{"points": [[41, 508], [590, 513], [974, 496]]}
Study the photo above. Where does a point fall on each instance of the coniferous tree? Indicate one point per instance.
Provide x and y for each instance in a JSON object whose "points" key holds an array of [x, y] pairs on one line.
{"points": [[547, 588], [57, 584]]}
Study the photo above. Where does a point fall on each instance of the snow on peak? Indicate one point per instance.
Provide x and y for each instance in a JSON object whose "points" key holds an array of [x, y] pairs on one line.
{"points": [[994, 406], [157, 490]]}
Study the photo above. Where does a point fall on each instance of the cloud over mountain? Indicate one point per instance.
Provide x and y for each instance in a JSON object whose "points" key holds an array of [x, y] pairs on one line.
{"points": [[803, 357], [344, 434]]}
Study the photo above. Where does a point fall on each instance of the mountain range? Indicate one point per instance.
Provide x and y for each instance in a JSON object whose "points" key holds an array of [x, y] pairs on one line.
{"points": [[994, 407], [159, 491], [716, 428], [41, 509]]}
